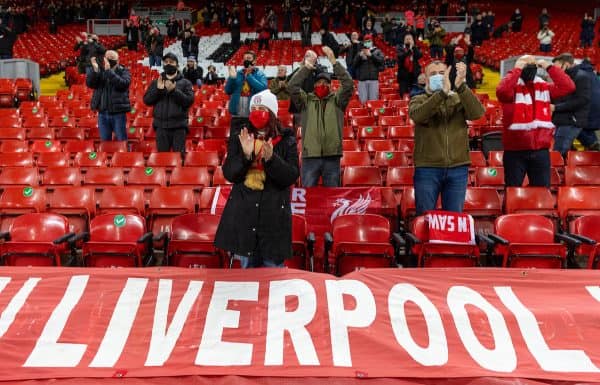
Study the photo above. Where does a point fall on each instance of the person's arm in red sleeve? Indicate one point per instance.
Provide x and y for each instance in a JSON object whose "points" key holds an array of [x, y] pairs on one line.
{"points": [[561, 85], [505, 92]]}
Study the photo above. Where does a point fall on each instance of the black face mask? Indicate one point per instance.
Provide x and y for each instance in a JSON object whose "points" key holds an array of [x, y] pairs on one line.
{"points": [[247, 63], [528, 73], [170, 69], [112, 63]]}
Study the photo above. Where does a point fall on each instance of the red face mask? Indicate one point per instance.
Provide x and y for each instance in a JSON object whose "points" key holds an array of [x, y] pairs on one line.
{"points": [[459, 55], [321, 90], [259, 118]]}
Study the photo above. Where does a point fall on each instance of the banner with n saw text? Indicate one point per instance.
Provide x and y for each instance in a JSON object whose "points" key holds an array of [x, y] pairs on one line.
{"points": [[394, 323]]}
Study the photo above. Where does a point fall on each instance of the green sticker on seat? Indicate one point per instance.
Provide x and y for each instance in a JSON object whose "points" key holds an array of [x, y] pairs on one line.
{"points": [[70, 96], [65, 119], [34, 110], [132, 130], [27, 192], [48, 143], [120, 220], [133, 110], [381, 110], [92, 155], [389, 155], [149, 171], [493, 172], [199, 119], [369, 130]]}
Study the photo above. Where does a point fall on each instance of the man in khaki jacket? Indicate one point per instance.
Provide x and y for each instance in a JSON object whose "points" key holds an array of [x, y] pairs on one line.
{"points": [[441, 153]]}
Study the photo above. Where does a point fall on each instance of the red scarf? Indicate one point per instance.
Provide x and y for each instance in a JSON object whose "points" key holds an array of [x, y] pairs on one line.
{"points": [[531, 113], [408, 63]]}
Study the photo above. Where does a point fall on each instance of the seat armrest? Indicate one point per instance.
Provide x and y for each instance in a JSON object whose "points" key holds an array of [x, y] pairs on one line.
{"points": [[65, 238], [498, 239]]}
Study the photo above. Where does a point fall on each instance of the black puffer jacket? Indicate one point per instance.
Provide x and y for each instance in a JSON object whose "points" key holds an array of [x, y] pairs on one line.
{"points": [[368, 68], [260, 220], [574, 109], [170, 108], [111, 89]]}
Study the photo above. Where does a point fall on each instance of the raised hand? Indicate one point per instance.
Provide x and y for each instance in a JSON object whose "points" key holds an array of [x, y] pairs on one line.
{"points": [[232, 72], [247, 142], [106, 64], [461, 74], [160, 83], [94, 63], [329, 53], [447, 86], [268, 149], [169, 85]]}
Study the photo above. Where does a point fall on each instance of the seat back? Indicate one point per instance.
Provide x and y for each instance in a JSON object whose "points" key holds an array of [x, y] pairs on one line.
{"points": [[534, 200], [574, 201], [77, 204], [525, 228], [111, 228], [355, 158], [588, 226], [583, 158], [147, 177], [38, 227], [192, 237], [164, 159], [192, 177], [128, 159], [367, 228], [118, 200], [362, 176], [582, 175], [61, 176]]}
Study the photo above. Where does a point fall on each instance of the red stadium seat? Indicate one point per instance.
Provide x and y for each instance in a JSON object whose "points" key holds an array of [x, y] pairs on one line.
{"points": [[400, 177], [363, 121], [495, 158], [209, 159], [587, 230], [361, 176], [350, 145], [190, 177], [14, 146], [484, 205], [583, 158], [90, 160], [117, 240], [400, 132], [100, 177], [165, 204], [39, 146], [77, 204], [531, 200], [191, 242], [61, 177], [74, 146], [146, 147], [169, 160], [110, 147], [374, 145], [218, 145], [16, 159], [370, 132], [489, 177], [528, 240], [575, 201], [117, 200], [302, 245], [40, 133], [128, 160], [53, 159], [16, 201], [12, 133], [582, 175], [219, 178], [19, 177], [147, 178], [355, 158], [427, 254], [36, 239], [358, 241], [385, 159]]}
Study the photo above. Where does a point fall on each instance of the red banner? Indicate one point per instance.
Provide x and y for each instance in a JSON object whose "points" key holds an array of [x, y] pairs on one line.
{"points": [[319, 205], [382, 323], [450, 227]]}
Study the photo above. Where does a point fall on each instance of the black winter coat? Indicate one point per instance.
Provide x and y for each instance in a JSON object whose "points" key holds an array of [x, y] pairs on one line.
{"points": [[189, 46], [368, 68], [574, 109], [260, 221], [403, 53], [170, 108], [111, 89]]}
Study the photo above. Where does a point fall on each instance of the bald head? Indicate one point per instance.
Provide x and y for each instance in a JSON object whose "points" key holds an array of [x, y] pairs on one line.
{"points": [[111, 55], [310, 57], [281, 71]]}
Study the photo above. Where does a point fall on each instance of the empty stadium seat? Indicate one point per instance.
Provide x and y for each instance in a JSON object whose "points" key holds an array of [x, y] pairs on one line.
{"points": [[61, 177], [77, 204], [168, 160], [355, 158], [90, 160], [16, 201], [147, 178], [52, 159], [190, 177], [165, 204], [582, 175], [583, 158], [191, 242], [530, 200], [302, 245], [575, 201], [529, 240], [385, 159], [41, 146], [209, 159], [117, 240], [586, 229], [19, 177], [218, 177], [117, 200], [127, 160], [358, 241], [75, 146], [100, 177], [111, 147], [36, 239], [16, 159], [361, 176]]}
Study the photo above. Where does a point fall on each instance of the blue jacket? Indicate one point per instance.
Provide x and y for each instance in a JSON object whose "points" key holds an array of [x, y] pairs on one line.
{"points": [[594, 114], [233, 87]]}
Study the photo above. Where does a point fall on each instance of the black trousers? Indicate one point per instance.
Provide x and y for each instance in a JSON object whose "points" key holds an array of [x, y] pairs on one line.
{"points": [[171, 140], [534, 163]]}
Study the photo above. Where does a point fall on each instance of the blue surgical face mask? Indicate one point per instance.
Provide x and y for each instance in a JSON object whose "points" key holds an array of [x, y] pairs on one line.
{"points": [[368, 44], [436, 82]]}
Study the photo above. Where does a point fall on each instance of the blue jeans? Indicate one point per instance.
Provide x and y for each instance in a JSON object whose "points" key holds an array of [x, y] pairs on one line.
{"points": [[109, 123], [587, 137], [546, 47], [327, 167], [430, 182], [155, 60], [436, 51], [564, 137], [247, 262]]}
